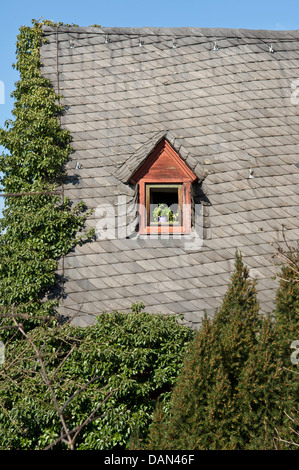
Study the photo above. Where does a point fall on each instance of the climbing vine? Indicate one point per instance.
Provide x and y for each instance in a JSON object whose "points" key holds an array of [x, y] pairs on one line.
{"points": [[39, 225]]}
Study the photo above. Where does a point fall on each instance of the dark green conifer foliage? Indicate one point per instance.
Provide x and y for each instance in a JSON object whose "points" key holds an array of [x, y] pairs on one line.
{"points": [[230, 393], [287, 306], [188, 419], [261, 392], [36, 229], [237, 322], [287, 345], [202, 413]]}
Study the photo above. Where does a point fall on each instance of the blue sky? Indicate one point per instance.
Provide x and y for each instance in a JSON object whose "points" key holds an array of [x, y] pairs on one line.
{"points": [[252, 14]]}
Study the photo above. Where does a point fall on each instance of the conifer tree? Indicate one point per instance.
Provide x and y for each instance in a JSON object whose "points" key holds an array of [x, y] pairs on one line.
{"points": [[230, 393], [204, 411], [193, 410], [287, 306], [238, 320], [287, 348], [261, 392]]}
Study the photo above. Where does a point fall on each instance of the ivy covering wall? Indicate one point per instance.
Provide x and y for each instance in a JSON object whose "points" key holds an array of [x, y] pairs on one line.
{"points": [[39, 225]]}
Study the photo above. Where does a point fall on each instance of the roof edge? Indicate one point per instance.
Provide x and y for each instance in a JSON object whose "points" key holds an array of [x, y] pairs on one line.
{"points": [[177, 31]]}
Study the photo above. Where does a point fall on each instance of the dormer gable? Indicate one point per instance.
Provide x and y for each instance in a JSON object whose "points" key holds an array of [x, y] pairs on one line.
{"points": [[164, 188], [163, 165]]}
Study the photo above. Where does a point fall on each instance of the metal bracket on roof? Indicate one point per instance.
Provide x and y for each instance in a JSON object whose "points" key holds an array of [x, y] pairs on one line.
{"points": [[141, 42], [107, 40], [174, 44], [215, 48], [271, 50]]}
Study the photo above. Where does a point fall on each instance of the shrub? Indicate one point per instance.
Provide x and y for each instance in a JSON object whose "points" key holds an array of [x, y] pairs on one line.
{"points": [[137, 356]]}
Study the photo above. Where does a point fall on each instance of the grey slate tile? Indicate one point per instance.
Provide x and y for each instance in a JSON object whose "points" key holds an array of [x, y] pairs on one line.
{"points": [[230, 106]]}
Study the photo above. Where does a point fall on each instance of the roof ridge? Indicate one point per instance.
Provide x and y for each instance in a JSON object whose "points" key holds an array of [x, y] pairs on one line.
{"points": [[169, 31]]}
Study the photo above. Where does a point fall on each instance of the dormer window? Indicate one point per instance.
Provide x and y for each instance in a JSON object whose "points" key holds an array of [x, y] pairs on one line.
{"points": [[164, 182], [164, 204]]}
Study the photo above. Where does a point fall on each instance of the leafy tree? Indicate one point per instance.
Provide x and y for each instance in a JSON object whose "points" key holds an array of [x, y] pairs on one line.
{"points": [[118, 367], [39, 225], [56, 377]]}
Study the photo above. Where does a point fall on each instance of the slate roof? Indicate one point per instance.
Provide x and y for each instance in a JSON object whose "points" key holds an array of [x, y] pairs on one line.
{"points": [[225, 112]]}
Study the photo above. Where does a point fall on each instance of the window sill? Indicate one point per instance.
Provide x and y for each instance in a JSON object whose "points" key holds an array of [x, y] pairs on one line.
{"points": [[164, 228]]}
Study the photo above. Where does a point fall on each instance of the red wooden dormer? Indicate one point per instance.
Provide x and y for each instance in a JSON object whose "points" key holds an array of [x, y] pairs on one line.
{"points": [[164, 182]]}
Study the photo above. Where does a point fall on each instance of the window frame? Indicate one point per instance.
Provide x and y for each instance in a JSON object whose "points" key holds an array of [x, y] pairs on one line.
{"points": [[184, 203], [149, 187]]}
